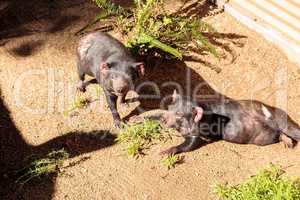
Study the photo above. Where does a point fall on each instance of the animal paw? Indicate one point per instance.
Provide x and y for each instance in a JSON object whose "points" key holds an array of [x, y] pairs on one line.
{"points": [[118, 124], [136, 119], [81, 88], [287, 141], [170, 151], [125, 104]]}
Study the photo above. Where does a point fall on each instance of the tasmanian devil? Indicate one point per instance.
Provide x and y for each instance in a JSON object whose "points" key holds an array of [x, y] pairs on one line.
{"points": [[106, 59], [243, 122]]}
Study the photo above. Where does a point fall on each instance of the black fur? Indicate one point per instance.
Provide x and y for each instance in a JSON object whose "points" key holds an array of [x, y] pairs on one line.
{"points": [[105, 58], [243, 122]]}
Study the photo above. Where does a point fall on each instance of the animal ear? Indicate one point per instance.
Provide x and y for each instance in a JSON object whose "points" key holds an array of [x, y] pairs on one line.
{"points": [[197, 113], [175, 95], [140, 67], [104, 67]]}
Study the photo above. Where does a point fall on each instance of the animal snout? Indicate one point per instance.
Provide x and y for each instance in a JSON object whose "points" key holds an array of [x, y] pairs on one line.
{"points": [[169, 121], [120, 86], [121, 90]]}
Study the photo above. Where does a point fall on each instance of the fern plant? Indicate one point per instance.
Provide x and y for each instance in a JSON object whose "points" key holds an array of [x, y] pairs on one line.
{"points": [[151, 30], [174, 35], [111, 8]]}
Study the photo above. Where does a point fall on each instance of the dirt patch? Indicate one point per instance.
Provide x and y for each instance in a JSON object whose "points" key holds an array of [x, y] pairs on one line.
{"points": [[251, 67]]}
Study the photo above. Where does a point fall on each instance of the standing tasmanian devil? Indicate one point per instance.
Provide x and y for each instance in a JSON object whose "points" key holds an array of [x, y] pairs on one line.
{"points": [[243, 122], [105, 58]]}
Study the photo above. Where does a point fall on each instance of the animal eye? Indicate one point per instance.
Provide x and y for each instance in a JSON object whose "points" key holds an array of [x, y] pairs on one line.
{"points": [[114, 76]]}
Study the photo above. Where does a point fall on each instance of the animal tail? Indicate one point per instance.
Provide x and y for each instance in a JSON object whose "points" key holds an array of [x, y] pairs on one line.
{"points": [[292, 130]]}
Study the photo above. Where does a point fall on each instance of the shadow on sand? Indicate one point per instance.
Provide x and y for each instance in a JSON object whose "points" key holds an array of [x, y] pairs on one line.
{"points": [[166, 75], [14, 152]]}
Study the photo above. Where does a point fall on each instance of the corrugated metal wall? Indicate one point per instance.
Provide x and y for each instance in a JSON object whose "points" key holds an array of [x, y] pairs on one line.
{"points": [[277, 20]]}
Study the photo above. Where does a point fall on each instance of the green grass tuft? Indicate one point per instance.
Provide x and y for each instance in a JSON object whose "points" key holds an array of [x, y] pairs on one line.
{"points": [[38, 167], [268, 184], [171, 161], [79, 103], [134, 149], [137, 137]]}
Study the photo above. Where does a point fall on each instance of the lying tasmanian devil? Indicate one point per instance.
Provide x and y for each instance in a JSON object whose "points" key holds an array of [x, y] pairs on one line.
{"points": [[105, 58], [243, 122]]}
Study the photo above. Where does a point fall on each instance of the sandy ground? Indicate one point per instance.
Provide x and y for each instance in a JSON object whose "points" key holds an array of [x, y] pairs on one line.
{"points": [[38, 80]]}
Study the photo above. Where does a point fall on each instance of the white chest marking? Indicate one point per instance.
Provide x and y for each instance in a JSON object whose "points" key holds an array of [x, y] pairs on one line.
{"points": [[266, 112], [85, 44]]}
